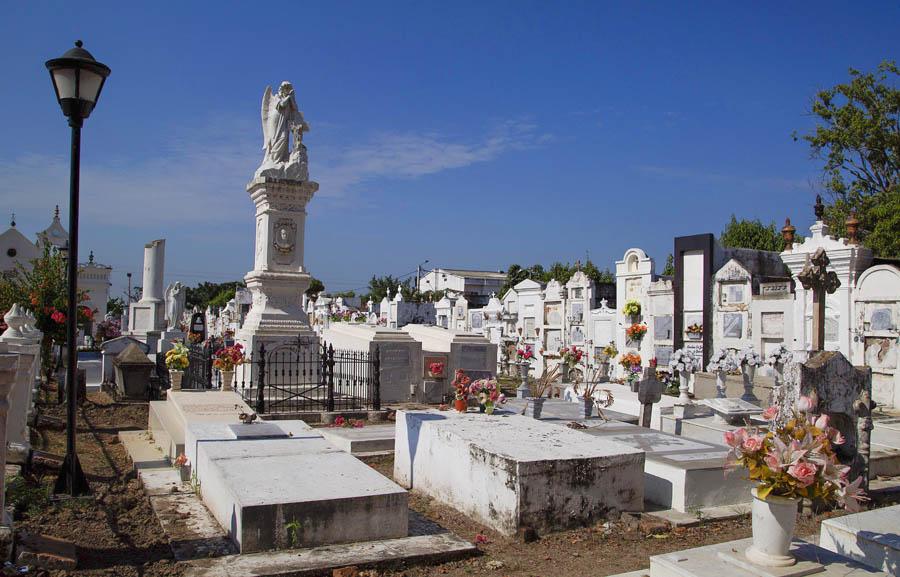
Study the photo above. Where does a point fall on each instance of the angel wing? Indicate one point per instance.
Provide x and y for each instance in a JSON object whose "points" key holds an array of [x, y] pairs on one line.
{"points": [[266, 109]]}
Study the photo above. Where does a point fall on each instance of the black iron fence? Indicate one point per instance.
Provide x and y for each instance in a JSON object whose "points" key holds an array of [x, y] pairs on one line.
{"points": [[310, 377], [199, 374]]}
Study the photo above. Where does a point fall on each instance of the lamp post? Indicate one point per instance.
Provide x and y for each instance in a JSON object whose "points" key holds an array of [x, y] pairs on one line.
{"points": [[77, 80], [419, 272]]}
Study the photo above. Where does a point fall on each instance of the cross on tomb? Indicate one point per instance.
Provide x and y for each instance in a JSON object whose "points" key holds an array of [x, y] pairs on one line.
{"points": [[814, 277], [649, 392]]}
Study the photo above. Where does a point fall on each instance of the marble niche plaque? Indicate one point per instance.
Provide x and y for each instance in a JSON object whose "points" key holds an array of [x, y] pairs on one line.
{"points": [[733, 325], [881, 320], [472, 356], [662, 328], [772, 324]]}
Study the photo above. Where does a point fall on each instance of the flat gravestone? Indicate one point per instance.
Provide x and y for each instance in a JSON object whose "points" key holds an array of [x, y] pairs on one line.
{"points": [[257, 431], [297, 492], [734, 411]]}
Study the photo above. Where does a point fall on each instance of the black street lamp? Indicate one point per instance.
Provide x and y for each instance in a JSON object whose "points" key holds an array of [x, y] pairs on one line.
{"points": [[77, 79]]}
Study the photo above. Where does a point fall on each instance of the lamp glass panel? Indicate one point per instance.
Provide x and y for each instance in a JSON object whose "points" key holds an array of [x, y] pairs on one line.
{"points": [[90, 85], [64, 79]]}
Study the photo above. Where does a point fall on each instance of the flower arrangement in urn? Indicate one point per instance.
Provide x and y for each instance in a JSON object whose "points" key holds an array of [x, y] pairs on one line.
{"points": [[631, 362], [525, 354], [794, 459], [460, 386], [632, 308], [636, 332], [225, 359], [571, 356], [194, 338], [177, 357], [682, 362], [694, 331], [488, 394], [436, 370]]}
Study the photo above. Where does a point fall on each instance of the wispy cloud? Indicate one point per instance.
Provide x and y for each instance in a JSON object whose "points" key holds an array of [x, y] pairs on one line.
{"points": [[412, 155], [203, 171], [773, 183]]}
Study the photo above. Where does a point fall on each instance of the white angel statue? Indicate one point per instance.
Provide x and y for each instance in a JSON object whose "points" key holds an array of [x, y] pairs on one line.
{"points": [[280, 119]]}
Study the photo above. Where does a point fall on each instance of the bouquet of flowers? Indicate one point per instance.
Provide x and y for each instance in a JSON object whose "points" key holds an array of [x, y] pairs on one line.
{"points": [[610, 350], [796, 459], [780, 356], [108, 330], [571, 355], [683, 362], [177, 357], [227, 358], [631, 362], [488, 393], [748, 358], [460, 384], [524, 354], [194, 338], [543, 383], [722, 360], [695, 329], [632, 308], [636, 331], [436, 369]]}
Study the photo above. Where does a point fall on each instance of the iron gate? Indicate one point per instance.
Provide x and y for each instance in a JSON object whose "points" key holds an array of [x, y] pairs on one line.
{"points": [[307, 377], [199, 373]]}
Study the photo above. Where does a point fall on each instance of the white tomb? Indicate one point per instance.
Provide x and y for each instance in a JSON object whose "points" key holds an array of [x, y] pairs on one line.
{"points": [[147, 317], [400, 354], [278, 485], [169, 419], [509, 471], [462, 350]]}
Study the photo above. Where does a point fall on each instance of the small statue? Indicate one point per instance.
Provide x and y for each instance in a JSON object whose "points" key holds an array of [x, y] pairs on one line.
{"points": [[176, 294], [281, 119]]}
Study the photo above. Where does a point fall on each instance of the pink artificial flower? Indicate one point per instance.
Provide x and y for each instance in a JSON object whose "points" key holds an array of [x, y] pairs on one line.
{"points": [[804, 472], [752, 444], [822, 422], [851, 496], [735, 438], [770, 413], [804, 404], [837, 438]]}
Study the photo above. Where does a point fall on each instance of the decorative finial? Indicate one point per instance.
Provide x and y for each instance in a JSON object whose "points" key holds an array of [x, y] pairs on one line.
{"points": [[12, 221], [56, 212], [787, 233], [852, 224], [819, 208], [91, 257], [79, 43]]}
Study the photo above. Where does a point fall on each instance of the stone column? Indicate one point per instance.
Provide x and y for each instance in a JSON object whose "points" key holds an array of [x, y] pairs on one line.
{"points": [[8, 365], [278, 279], [154, 267], [23, 339]]}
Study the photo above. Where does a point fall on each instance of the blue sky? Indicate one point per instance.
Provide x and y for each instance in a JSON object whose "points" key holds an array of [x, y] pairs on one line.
{"points": [[473, 134]]}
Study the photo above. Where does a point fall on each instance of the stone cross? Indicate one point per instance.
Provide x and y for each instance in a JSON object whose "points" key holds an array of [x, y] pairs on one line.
{"points": [[814, 277], [649, 391]]}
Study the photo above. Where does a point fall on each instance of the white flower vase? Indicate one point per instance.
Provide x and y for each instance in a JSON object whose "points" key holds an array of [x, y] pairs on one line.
{"points": [[227, 380], [721, 389], [175, 378], [748, 372], [684, 380], [774, 520]]}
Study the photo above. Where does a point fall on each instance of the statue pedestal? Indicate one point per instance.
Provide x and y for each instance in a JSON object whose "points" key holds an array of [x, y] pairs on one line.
{"points": [[278, 279]]}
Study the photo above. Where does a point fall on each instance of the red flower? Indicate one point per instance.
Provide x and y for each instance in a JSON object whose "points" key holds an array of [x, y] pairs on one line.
{"points": [[58, 317]]}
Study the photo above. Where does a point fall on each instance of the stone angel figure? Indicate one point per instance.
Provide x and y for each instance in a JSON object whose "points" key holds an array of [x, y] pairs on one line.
{"points": [[281, 119], [176, 293]]}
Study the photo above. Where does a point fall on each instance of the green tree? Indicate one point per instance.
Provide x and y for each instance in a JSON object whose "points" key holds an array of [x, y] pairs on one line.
{"points": [[858, 138], [669, 269], [211, 294], [751, 234], [315, 287], [115, 306], [380, 286]]}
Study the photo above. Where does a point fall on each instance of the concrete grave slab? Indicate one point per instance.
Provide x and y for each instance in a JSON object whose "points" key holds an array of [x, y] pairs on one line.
{"points": [[510, 471], [169, 419], [297, 492], [871, 537], [365, 440], [722, 559]]}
